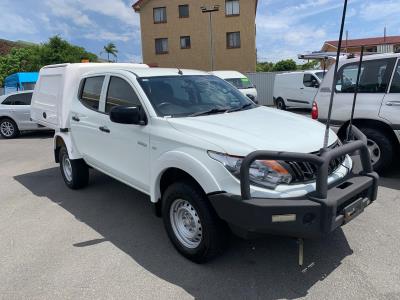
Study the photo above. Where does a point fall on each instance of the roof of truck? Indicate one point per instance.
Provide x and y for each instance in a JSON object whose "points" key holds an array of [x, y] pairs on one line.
{"points": [[150, 72], [228, 74]]}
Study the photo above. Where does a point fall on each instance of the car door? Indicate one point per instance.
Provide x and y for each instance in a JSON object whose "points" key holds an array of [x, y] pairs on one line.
{"points": [[390, 109], [125, 149], [86, 119], [308, 90], [20, 110], [374, 81]]}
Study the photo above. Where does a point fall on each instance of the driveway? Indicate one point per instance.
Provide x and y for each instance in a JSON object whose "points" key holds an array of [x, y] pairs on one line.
{"points": [[104, 242]]}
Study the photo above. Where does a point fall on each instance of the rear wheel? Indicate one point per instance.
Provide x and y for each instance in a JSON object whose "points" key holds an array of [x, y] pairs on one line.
{"points": [[380, 147], [280, 104], [191, 223], [74, 171], [8, 128]]}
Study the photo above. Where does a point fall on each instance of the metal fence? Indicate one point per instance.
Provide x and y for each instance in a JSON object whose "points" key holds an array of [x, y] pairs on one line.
{"points": [[264, 82]]}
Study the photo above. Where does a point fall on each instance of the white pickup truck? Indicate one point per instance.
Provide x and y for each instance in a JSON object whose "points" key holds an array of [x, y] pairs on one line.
{"points": [[209, 158]]}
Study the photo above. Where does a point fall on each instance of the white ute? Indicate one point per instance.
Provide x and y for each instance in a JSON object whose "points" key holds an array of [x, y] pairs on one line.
{"points": [[189, 140]]}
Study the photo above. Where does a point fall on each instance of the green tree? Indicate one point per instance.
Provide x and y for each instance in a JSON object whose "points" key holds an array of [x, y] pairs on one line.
{"points": [[311, 65], [110, 49], [285, 65], [265, 67], [31, 58]]}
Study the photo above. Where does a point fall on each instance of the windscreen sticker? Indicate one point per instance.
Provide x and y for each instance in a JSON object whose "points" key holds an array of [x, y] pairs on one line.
{"points": [[245, 80]]}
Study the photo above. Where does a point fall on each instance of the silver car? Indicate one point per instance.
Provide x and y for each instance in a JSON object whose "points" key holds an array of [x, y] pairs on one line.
{"points": [[15, 114]]}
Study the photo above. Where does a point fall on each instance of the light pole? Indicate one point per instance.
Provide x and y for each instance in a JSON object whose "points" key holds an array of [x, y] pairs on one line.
{"points": [[205, 9]]}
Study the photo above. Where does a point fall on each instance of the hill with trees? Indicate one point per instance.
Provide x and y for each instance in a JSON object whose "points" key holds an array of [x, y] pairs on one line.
{"points": [[26, 57]]}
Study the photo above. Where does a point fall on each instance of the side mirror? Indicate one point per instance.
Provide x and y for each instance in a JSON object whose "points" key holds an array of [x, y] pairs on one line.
{"points": [[128, 115]]}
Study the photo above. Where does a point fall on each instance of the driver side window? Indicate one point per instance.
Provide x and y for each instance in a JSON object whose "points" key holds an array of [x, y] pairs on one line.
{"points": [[310, 81], [120, 93]]}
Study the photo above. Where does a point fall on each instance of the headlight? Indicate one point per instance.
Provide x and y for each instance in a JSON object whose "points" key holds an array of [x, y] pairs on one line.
{"points": [[264, 173]]}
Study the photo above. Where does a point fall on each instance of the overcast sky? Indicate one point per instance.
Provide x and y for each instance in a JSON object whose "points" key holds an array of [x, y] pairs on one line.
{"points": [[284, 27]]}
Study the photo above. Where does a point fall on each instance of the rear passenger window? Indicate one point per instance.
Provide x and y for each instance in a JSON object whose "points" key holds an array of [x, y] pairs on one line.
{"points": [[374, 77], [19, 99], [395, 88], [91, 91], [120, 93]]}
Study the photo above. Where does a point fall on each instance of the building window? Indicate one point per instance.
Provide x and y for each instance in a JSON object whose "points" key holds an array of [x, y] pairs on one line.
{"points": [[185, 42], [160, 15], [184, 11], [232, 7], [233, 40], [161, 46]]}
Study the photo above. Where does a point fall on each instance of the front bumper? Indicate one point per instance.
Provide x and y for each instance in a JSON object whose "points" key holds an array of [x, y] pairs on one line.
{"points": [[312, 216]]}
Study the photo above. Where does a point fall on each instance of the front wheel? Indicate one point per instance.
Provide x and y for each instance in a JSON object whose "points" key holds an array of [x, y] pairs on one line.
{"points": [[75, 172], [8, 129], [280, 104], [191, 223]]}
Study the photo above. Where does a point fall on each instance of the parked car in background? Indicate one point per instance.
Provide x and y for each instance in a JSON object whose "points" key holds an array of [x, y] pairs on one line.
{"points": [[377, 111], [240, 81], [15, 114], [188, 140], [296, 89]]}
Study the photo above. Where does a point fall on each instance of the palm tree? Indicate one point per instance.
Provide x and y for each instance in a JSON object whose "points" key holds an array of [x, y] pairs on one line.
{"points": [[110, 49]]}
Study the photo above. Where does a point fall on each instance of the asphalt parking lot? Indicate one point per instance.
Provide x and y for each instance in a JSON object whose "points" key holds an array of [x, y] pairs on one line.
{"points": [[104, 242]]}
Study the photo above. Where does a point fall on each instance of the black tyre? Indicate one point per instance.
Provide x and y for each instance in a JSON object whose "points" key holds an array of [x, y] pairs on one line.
{"points": [[280, 104], [8, 129], [381, 148], [74, 171], [192, 224]]}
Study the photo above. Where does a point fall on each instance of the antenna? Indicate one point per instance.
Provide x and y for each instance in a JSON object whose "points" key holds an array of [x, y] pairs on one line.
{"points": [[355, 95], [328, 122]]}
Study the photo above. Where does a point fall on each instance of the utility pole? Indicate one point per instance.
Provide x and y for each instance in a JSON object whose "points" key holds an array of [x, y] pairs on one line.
{"points": [[210, 10]]}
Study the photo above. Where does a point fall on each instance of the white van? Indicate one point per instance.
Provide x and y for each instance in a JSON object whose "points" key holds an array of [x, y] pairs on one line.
{"points": [[194, 144], [296, 89], [377, 111], [239, 81]]}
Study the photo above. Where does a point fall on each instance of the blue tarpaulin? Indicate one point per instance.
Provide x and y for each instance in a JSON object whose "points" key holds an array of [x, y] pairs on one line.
{"points": [[20, 81]]}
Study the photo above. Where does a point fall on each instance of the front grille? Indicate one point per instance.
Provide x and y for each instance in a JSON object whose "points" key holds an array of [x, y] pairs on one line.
{"points": [[304, 171]]}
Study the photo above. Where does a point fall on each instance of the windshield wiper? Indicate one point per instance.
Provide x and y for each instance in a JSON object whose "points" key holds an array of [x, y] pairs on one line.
{"points": [[209, 112], [240, 108]]}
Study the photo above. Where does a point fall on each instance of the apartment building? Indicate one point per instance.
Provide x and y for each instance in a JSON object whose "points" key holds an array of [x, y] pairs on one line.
{"points": [[178, 33]]}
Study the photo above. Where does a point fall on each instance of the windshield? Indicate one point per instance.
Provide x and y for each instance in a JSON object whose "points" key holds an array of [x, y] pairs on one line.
{"points": [[320, 75], [180, 96], [240, 83]]}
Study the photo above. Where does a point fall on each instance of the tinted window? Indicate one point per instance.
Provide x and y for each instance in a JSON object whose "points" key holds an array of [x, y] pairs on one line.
{"points": [[120, 93], [310, 81], [19, 99], [184, 11], [374, 77], [233, 40], [7, 101], [91, 91], [160, 15], [395, 87], [180, 96], [320, 75]]}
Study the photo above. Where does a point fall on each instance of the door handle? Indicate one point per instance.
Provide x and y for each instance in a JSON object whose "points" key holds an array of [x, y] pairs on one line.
{"points": [[104, 129], [393, 103], [75, 118], [302, 88]]}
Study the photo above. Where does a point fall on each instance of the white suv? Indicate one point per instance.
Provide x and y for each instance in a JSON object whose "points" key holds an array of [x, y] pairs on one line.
{"points": [[193, 142], [377, 111]]}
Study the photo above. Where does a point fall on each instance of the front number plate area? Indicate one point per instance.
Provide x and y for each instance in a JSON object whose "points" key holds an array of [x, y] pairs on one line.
{"points": [[354, 209]]}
